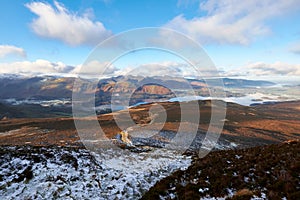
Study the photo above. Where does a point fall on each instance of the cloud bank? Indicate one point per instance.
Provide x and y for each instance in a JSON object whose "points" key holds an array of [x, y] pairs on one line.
{"points": [[232, 21], [35, 68], [169, 68], [95, 69], [6, 50], [59, 23], [265, 69]]}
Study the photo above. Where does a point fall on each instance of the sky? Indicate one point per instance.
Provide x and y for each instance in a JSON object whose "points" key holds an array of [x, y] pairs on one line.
{"points": [[250, 38]]}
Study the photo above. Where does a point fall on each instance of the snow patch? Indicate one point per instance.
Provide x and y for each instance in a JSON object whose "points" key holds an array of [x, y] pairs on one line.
{"points": [[69, 173]]}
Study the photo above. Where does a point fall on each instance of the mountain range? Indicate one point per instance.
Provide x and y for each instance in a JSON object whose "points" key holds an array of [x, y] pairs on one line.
{"points": [[52, 87]]}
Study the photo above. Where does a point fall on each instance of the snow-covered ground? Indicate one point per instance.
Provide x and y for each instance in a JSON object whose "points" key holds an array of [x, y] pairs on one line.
{"points": [[70, 173]]}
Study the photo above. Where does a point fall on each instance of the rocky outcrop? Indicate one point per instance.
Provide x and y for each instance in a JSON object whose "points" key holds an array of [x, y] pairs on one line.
{"points": [[154, 89]]}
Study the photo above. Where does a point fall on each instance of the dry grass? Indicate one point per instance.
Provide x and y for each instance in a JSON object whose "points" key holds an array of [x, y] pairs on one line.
{"points": [[273, 170], [269, 124]]}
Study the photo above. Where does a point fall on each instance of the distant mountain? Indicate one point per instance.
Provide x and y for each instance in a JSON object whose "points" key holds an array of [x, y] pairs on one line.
{"points": [[246, 83], [142, 88], [36, 87]]}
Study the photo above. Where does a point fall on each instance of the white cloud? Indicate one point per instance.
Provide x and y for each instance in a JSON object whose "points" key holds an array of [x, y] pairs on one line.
{"points": [[265, 69], [160, 69], [232, 21], [166, 68], [6, 50], [59, 23], [95, 68], [35, 68]]}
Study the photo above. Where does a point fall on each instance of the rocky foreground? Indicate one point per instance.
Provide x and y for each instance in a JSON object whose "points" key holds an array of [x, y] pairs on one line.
{"points": [[266, 172], [28, 172]]}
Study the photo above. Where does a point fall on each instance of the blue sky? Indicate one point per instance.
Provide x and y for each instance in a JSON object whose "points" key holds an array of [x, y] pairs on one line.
{"points": [[242, 38]]}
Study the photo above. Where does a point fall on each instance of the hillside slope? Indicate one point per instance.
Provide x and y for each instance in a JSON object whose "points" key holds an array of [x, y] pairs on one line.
{"points": [[245, 126], [271, 172]]}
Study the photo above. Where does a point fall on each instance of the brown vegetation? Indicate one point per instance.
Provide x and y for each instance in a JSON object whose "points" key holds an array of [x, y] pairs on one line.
{"points": [[272, 170], [266, 125]]}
